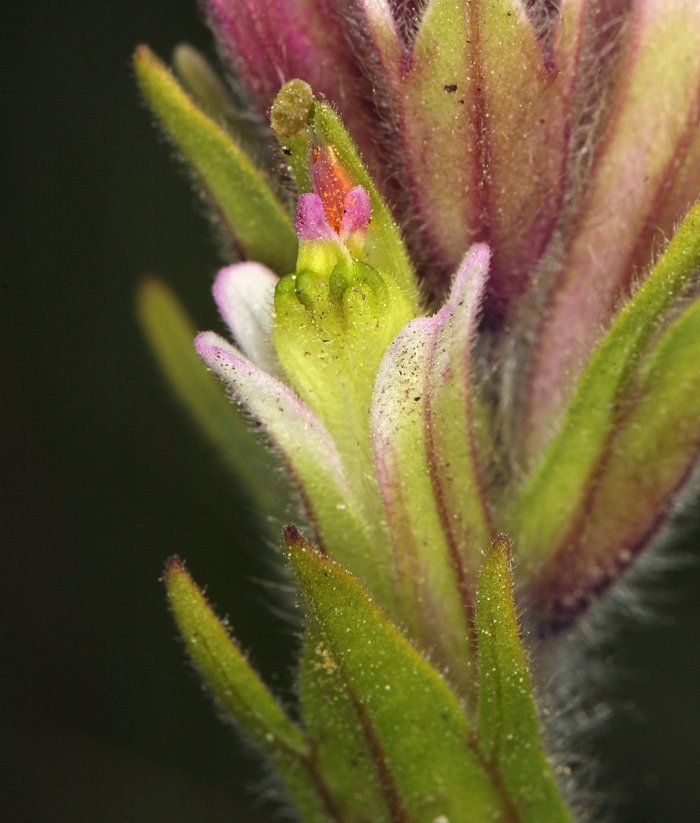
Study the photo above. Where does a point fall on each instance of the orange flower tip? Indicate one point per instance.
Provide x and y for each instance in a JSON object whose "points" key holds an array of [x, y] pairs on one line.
{"points": [[331, 182]]}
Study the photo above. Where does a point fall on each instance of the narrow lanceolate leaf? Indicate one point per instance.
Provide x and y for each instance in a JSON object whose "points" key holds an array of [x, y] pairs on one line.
{"points": [[170, 333], [342, 754], [484, 129], [235, 686], [240, 693], [509, 729], [414, 726], [258, 223], [202, 82], [312, 458], [652, 454], [542, 512], [428, 472], [439, 132], [524, 134], [639, 187]]}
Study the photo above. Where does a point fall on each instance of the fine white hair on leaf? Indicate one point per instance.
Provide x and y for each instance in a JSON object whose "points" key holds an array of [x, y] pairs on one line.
{"points": [[574, 668]]}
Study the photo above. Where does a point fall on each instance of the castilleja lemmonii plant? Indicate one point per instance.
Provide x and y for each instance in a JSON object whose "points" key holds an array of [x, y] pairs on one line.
{"points": [[463, 314]]}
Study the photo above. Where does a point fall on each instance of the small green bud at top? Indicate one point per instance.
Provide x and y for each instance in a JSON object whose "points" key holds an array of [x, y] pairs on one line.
{"points": [[291, 111]]}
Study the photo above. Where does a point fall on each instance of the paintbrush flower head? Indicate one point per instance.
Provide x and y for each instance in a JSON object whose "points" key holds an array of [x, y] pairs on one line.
{"points": [[465, 304]]}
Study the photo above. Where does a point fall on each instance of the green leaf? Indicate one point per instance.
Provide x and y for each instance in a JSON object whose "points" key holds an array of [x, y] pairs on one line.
{"points": [[202, 83], [648, 463], [509, 729], [221, 104], [341, 752], [170, 334], [233, 683], [658, 441], [241, 694], [420, 738], [257, 221], [540, 515]]}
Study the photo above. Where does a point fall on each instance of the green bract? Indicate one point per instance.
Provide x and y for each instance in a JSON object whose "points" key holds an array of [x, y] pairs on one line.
{"points": [[333, 324], [384, 737], [557, 487]]}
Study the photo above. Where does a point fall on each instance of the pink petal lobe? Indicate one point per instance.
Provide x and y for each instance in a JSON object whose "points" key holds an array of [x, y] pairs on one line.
{"points": [[311, 222], [244, 294], [290, 425], [357, 212]]}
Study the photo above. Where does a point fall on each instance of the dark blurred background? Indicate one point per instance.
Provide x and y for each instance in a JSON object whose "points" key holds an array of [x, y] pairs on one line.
{"points": [[105, 476]]}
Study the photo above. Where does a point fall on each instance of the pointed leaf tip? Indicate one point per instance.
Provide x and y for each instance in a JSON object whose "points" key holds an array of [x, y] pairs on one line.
{"points": [[292, 537], [202, 82], [649, 467], [233, 683], [240, 692], [173, 565]]}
